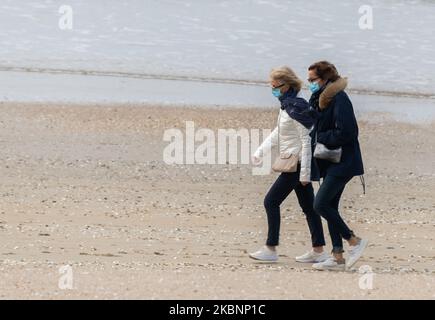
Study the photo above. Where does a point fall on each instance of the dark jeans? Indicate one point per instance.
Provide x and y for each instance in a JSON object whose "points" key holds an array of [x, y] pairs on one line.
{"points": [[327, 203], [283, 186]]}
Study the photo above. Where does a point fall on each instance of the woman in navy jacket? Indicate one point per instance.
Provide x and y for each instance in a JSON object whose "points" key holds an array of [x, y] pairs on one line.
{"points": [[335, 127]]}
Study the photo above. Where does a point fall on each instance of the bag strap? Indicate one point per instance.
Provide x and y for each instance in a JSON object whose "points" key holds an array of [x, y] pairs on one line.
{"points": [[279, 123], [363, 182]]}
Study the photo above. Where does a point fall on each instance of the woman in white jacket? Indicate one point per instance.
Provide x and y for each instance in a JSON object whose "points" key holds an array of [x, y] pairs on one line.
{"points": [[292, 136]]}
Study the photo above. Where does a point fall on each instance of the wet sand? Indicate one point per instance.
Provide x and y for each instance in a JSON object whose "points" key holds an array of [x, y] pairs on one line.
{"points": [[85, 186]]}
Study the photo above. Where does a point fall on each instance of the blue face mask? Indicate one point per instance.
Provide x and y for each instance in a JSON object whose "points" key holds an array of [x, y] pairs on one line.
{"points": [[314, 87], [276, 92]]}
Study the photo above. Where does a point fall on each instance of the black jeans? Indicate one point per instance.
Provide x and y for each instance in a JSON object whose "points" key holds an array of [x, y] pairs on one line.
{"points": [[326, 204], [283, 186]]}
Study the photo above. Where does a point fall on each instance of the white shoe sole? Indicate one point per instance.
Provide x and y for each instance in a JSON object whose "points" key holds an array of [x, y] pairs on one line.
{"points": [[263, 260], [312, 260], [351, 263], [305, 261]]}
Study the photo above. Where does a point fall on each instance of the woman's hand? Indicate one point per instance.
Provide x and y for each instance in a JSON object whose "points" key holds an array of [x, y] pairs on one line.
{"points": [[305, 183], [256, 160]]}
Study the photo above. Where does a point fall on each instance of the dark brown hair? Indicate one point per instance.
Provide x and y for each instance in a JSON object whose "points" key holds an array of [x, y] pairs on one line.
{"points": [[325, 70]]}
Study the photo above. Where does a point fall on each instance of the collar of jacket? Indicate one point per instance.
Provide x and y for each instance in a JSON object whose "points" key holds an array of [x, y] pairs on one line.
{"points": [[292, 93], [330, 91]]}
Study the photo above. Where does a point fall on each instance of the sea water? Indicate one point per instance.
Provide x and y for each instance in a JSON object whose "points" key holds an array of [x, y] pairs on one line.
{"points": [[130, 50]]}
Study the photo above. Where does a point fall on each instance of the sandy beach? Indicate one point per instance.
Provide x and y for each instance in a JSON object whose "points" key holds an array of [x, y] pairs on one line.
{"points": [[86, 186]]}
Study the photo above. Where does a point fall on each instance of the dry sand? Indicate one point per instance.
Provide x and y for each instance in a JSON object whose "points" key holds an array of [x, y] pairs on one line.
{"points": [[86, 186]]}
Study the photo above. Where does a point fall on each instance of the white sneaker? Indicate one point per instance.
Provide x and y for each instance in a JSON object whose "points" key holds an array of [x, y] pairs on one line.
{"points": [[264, 254], [313, 257], [356, 252], [331, 264]]}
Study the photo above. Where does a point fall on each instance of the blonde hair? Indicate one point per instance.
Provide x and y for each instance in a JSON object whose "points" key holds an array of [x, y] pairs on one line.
{"points": [[286, 75]]}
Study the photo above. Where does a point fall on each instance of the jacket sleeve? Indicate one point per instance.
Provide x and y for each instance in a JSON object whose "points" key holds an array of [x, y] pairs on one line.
{"points": [[268, 143], [304, 135], [345, 125]]}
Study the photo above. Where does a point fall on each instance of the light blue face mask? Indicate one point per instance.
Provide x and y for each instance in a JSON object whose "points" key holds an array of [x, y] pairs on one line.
{"points": [[276, 92], [314, 87]]}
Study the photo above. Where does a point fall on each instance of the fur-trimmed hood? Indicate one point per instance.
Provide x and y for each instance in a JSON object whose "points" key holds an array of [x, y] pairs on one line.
{"points": [[330, 91]]}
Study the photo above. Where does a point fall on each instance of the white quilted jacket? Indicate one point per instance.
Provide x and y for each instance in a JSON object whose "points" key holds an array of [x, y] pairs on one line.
{"points": [[293, 139]]}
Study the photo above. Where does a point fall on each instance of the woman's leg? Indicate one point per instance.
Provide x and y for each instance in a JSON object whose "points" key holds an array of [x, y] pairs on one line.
{"points": [[353, 240], [326, 204], [334, 232], [282, 187], [305, 196]]}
